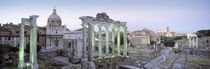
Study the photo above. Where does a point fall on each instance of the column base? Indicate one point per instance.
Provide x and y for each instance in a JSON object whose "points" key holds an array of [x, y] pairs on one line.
{"points": [[21, 65], [34, 66]]}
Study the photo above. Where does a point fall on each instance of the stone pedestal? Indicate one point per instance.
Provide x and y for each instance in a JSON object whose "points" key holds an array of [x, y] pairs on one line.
{"points": [[88, 65]]}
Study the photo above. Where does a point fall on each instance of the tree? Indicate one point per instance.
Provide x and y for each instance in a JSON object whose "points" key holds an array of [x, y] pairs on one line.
{"points": [[202, 33], [168, 41]]}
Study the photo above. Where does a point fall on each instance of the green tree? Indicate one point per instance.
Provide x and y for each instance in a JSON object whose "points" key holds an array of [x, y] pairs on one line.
{"points": [[168, 41], [202, 33]]}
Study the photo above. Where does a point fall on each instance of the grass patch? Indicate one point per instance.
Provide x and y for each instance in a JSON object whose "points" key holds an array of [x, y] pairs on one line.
{"points": [[138, 52], [199, 61], [164, 63], [108, 60]]}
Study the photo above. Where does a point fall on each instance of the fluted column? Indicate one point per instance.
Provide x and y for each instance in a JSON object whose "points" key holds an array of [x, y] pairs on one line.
{"points": [[21, 47], [196, 42], [2, 40], [15, 42], [118, 41], [125, 42], [193, 42], [84, 41], [99, 42], [189, 41], [91, 41], [113, 41], [107, 40]]}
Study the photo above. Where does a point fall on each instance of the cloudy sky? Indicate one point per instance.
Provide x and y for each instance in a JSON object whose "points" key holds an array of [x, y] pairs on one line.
{"points": [[183, 16]]}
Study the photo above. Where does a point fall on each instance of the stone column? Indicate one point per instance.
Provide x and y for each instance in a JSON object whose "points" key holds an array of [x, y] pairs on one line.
{"points": [[15, 42], [189, 41], [90, 41], [21, 47], [33, 47], [118, 41], [99, 42], [84, 41], [113, 41], [107, 40], [2, 40], [193, 42], [125, 42], [196, 42]]}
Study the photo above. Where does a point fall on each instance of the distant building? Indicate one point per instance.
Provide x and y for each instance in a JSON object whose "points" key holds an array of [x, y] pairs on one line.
{"points": [[53, 36], [167, 33], [142, 37]]}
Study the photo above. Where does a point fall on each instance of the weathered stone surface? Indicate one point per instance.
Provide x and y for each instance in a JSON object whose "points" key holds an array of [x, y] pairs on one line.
{"points": [[61, 61], [88, 65]]}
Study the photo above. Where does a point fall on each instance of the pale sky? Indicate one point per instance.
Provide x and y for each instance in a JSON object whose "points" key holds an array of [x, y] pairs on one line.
{"points": [[182, 16]]}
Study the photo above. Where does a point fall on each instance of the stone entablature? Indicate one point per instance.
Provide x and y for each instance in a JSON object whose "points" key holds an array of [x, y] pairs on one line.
{"points": [[101, 20]]}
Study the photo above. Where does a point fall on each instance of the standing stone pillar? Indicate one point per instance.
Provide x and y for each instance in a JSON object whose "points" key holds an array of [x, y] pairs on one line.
{"points": [[2, 40], [99, 42], [21, 47], [84, 41], [189, 41], [107, 41], [15, 41], [90, 41], [193, 42], [118, 41], [113, 41], [33, 47], [196, 42], [33, 43], [125, 42]]}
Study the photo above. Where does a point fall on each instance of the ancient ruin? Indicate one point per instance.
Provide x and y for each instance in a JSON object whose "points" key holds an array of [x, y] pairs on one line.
{"points": [[33, 43]]}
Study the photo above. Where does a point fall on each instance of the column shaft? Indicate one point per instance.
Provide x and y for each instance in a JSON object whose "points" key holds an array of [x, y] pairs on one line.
{"points": [[196, 42], [113, 40], [84, 41], [193, 42], [93, 40], [33, 54], [21, 47], [99, 43], [189, 42], [90, 41], [118, 41], [125, 42], [31, 44], [2, 40], [15, 42], [107, 40]]}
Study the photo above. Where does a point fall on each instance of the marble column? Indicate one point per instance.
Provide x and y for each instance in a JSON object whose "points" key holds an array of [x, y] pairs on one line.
{"points": [[118, 41], [113, 41], [33, 47], [107, 40], [90, 41], [196, 42], [21, 47], [99, 42], [189, 41], [15, 41], [2, 40], [84, 41], [125, 42], [193, 42]]}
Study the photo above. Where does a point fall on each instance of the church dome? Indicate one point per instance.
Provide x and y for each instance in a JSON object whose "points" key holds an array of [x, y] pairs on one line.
{"points": [[54, 19]]}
